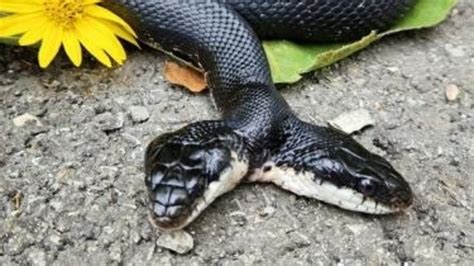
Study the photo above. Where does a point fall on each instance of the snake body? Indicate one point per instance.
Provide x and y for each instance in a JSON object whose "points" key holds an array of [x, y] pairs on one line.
{"points": [[259, 137]]}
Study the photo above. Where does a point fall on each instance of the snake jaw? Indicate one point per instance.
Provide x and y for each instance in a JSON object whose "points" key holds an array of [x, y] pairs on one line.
{"points": [[305, 183]]}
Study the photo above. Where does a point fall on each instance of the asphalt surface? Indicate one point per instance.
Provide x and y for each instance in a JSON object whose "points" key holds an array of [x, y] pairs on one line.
{"points": [[71, 180]]}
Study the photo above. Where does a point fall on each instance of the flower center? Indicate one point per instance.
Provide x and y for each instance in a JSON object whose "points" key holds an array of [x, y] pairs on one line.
{"points": [[64, 12]]}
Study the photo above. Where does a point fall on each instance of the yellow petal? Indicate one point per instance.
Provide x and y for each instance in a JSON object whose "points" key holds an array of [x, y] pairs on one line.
{"points": [[90, 46], [16, 7], [16, 24], [104, 38], [22, 1], [100, 12], [90, 2], [72, 47], [50, 45], [119, 31], [33, 35]]}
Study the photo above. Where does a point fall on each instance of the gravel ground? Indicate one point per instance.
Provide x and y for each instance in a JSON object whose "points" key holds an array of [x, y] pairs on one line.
{"points": [[72, 144]]}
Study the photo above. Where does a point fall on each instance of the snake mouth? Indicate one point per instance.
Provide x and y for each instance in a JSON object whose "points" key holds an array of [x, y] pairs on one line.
{"points": [[388, 204], [167, 223], [350, 199]]}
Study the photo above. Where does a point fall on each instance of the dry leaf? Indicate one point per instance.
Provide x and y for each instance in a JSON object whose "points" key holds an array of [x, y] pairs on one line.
{"points": [[353, 121], [185, 76]]}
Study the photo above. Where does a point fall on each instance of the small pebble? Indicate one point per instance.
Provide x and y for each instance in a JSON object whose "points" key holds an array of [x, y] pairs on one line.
{"points": [[53, 84], [178, 241], [26, 118], [238, 218], [139, 114], [300, 240], [452, 92], [109, 122], [393, 69], [267, 211], [115, 253], [37, 256], [454, 50], [56, 240], [357, 229]]}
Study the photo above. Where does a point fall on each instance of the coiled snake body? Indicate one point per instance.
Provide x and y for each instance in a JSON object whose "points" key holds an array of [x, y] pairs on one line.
{"points": [[259, 137]]}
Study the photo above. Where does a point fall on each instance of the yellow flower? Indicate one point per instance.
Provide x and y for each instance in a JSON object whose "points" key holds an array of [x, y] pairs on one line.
{"points": [[71, 23]]}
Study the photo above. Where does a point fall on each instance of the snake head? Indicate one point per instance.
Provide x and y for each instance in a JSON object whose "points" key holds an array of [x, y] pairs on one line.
{"points": [[188, 169], [329, 165], [368, 176]]}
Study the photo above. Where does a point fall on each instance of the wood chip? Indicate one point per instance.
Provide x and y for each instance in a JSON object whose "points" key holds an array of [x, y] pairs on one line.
{"points": [[185, 76]]}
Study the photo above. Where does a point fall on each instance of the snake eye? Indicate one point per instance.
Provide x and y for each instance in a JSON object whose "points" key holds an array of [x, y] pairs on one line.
{"points": [[367, 187]]}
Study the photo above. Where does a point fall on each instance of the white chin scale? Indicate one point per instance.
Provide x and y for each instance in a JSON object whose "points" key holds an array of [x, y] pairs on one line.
{"points": [[301, 183]]}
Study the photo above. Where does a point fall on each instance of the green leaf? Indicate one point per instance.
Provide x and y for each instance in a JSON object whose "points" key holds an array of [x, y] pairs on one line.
{"points": [[289, 60]]}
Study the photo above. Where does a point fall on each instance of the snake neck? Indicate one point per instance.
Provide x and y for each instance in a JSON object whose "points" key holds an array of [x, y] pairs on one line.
{"points": [[255, 111]]}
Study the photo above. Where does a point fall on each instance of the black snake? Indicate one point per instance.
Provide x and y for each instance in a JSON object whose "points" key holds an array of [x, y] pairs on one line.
{"points": [[259, 137]]}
